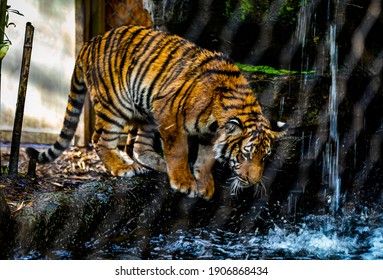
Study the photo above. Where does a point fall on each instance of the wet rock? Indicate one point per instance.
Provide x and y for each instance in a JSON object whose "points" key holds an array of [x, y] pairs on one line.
{"points": [[82, 221], [6, 227], [64, 220], [168, 12]]}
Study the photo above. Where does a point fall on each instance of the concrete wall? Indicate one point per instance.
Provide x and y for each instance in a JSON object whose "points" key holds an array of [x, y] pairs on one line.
{"points": [[52, 63]]}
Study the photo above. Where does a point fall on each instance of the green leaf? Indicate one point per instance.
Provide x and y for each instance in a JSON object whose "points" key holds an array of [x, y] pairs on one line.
{"points": [[3, 50], [271, 70]]}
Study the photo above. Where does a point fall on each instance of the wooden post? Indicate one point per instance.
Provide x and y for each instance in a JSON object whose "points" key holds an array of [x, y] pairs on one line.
{"points": [[19, 114]]}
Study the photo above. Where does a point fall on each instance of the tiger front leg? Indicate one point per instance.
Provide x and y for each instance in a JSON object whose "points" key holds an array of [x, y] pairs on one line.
{"points": [[202, 171], [175, 145]]}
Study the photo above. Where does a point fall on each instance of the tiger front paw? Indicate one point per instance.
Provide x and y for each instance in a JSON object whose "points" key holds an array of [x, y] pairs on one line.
{"points": [[184, 184], [205, 187]]}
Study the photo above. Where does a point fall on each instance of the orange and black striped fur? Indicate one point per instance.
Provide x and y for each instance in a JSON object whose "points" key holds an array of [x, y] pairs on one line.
{"points": [[155, 82]]}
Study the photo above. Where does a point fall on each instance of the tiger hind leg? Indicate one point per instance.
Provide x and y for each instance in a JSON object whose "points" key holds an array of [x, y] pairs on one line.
{"points": [[129, 145], [105, 140], [143, 150]]}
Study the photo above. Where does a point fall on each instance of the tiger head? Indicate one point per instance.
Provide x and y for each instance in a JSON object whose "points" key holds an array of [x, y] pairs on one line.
{"points": [[244, 146]]}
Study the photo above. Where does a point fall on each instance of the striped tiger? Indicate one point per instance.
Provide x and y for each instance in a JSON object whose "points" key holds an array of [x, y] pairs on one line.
{"points": [[159, 83]]}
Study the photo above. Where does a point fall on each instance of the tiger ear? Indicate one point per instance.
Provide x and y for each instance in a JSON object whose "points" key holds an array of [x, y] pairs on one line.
{"points": [[279, 128], [233, 126]]}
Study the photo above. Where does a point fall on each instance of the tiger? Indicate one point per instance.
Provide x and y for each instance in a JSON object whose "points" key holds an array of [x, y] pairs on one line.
{"points": [[159, 83]]}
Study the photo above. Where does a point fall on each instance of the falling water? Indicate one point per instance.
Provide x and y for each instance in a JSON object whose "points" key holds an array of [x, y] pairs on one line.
{"points": [[333, 143], [281, 107]]}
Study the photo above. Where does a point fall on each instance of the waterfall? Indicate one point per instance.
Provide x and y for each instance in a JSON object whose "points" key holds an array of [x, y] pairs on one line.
{"points": [[332, 150]]}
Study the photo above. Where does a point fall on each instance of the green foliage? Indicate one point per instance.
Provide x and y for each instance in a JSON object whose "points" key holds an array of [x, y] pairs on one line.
{"points": [[4, 45], [288, 12], [245, 8], [4, 170], [271, 70], [251, 10], [228, 9]]}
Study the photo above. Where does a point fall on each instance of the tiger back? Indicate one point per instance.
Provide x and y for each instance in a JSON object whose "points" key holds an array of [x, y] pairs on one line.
{"points": [[159, 83]]}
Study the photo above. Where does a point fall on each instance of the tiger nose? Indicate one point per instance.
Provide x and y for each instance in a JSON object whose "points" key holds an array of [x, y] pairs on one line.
{"points": [[253, 180], [254, 175]]}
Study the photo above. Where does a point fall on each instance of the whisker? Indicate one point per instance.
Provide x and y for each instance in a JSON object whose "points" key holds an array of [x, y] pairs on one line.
{"points": [[265, 177], [237, 184], [260, 188]]}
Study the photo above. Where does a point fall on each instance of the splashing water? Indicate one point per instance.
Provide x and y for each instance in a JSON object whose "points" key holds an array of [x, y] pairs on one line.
{"points": [[317, 237]]}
